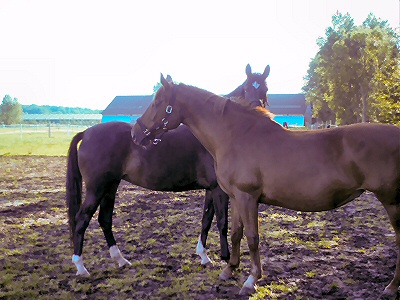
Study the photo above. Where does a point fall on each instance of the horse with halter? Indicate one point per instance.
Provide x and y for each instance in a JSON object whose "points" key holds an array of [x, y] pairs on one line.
{"points": [[107, 155], [259, 161]]}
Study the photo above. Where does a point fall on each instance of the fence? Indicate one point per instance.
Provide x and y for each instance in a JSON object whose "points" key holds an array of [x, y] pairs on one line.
{"points": [[22, 129]]}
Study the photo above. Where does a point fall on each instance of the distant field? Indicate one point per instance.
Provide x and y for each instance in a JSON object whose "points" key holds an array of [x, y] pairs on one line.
{"points": [[36, 141]]}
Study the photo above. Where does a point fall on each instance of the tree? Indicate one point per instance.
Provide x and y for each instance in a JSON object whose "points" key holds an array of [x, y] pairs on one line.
{"points": [[158, 85], [355, 71], [10, 111]]}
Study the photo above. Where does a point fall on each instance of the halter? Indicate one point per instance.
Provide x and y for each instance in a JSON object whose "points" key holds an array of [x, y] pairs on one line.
{"points": [[149, 133]]}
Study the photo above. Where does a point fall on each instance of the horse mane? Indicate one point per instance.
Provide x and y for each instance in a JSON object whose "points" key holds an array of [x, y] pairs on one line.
{"points": [[265, 112], [214, 100], [256, 111], [220, 103]]}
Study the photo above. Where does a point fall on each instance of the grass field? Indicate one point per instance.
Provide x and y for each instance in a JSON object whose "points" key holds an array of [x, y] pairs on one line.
{"points": [[36, 142]]}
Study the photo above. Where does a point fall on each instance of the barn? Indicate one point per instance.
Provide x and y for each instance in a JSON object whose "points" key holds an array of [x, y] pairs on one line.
{"points": [[126, 108], [290, 108]]}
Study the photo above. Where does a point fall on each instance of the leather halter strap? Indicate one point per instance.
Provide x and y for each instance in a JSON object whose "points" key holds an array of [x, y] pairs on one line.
{"points": [[155, 133]]}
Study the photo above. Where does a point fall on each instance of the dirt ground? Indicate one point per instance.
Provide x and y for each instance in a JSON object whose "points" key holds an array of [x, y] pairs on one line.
{"points": [[348, 253]]}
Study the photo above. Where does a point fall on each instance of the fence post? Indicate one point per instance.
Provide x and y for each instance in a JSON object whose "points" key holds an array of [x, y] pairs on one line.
{"points": [[49, 129], [20, 131]]}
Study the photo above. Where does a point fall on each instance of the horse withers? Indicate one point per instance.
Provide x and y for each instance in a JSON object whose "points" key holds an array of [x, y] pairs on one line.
{"points": [[259, 161], [107, 155]]}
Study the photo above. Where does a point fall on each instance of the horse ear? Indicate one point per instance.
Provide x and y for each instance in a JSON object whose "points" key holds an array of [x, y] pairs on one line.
{"points": [[266, 71], [164, 82], [248, 70], [169, 78]]}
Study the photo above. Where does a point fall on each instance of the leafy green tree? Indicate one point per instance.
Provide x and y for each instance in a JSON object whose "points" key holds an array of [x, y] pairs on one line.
{"points": [[158, 85], [10, 111], [355, 72]]}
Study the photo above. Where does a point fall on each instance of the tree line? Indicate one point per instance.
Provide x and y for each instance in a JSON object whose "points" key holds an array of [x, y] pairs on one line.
{"points": [[11, 111], [355, 75], [49, 109]]}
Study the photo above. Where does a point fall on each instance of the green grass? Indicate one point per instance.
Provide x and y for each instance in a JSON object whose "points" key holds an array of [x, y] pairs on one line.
{"points": [[35, 143]]}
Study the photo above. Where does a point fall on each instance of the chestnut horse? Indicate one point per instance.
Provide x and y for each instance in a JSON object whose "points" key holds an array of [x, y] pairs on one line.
{"points": [[178, 163], [259, 161]]}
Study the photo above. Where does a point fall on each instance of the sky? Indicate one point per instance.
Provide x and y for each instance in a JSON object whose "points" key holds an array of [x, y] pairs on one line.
{"points": [[84, 53]]}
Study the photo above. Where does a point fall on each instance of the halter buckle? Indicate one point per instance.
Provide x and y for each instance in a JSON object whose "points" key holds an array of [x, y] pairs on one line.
{"points": [[146, 132], [165, 123]]}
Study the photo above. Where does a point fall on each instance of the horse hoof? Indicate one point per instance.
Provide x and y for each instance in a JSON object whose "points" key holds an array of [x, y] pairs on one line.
{"points": [[83, 272], [225, 274], [246, 291], [206, 261], [124, 263], [207, 264], [389, 294]]}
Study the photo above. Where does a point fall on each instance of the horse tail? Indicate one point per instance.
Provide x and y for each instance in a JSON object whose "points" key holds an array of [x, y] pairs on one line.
{"points": [[73, 183]]}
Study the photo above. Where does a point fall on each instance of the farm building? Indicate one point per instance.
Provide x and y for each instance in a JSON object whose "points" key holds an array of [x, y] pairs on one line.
{"points": [[126, 108], [290, 108]]}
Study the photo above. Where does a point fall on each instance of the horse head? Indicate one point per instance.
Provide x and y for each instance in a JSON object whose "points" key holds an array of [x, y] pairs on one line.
{"points": [[157, 120], [255, 87]]}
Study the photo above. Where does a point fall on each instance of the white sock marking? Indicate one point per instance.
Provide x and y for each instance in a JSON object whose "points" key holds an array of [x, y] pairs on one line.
{"points": [[202, 252], [116, 255], [250, 282], [78, 261]]}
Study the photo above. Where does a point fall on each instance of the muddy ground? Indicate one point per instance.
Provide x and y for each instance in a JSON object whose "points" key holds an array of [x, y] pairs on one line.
{"points": [[348, 253]]}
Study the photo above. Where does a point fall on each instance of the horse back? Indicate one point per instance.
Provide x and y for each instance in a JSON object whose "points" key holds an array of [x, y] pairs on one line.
{"points": [[103, 152], [375, 151]]}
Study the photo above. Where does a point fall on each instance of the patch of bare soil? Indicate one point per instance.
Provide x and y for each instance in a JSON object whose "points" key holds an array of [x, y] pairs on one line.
{"points": [[348, 253]]}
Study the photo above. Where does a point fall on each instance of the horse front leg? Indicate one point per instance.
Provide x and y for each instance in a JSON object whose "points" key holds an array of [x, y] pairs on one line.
{"points": [[236, 236], [105, 221], [246, 206], [393, 212], [208, 215], [249, 213]]}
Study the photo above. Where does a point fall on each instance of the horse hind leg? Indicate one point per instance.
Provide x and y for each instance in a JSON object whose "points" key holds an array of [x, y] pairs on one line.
{"points": [[208, 214], [221, 203], [393, 211], [216, 202], [105, 221], [83, 218]]}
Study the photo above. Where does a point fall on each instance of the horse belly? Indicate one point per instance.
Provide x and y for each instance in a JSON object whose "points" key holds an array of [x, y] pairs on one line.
{"points": [[310, 199]]}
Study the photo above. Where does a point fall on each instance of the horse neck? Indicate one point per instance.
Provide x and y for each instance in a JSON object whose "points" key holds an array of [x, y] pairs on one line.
{"points": [[207, 116], [238, 92]]}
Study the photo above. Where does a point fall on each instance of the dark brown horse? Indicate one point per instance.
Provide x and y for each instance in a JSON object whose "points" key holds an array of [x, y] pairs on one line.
{"points": [[179, 163], [259, 161]]}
